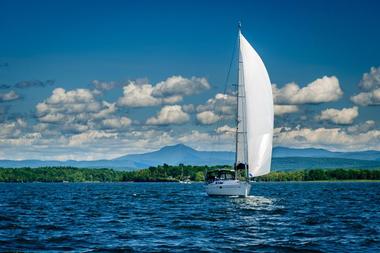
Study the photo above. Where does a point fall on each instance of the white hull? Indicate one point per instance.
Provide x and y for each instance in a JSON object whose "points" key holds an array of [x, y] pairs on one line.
{"points": [[228, 188]]}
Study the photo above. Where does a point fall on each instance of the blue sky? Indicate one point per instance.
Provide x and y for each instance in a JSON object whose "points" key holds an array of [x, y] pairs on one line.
{"points": [[48, 45]]}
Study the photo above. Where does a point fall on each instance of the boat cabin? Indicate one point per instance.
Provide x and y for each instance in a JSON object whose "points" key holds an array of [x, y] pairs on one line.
{"points": [[220, 174]]}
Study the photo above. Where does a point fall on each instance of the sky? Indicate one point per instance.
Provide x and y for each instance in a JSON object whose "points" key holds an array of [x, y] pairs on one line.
{"points": [[91, 80]]}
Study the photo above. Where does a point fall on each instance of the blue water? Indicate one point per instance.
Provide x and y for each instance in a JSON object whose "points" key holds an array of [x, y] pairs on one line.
{"points": [[280, 217]]}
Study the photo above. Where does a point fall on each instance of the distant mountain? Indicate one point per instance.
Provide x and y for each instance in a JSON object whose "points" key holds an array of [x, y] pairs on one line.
{"points": [[174, 155], [315, 152], [283, 159], [296, 163]]}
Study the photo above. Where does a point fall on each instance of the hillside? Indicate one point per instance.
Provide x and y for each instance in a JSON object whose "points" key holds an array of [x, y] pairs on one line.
{"points": [[283, 159]]}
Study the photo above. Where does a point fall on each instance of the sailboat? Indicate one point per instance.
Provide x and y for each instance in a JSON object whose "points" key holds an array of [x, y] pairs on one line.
{"points": [[254, 130], [184, 180]]}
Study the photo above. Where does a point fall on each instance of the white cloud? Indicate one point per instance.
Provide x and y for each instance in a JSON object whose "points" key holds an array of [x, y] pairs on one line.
{"points": [[344, 116], [207, 117], [280, 110], [136, 95], [371, 80], [52, 118], [116, 122], [89, 136], [178, 85], [172, 99], [9, 96], [106, 110], [325, 89], [73, 111], [330, 138], [73, 96], [12, 128], [370, 87], [223, 105], [72, 102], [169, 114], [367, 98], [225, 130], [170, 91]]}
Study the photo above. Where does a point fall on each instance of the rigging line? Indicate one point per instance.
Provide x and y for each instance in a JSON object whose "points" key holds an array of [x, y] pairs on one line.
{"points": [[218, 124], [230, 67]]}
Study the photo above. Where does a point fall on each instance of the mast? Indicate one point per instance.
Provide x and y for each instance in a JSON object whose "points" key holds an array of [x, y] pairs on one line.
{"points": [[237, 101], [241, 119], [241, 130]]}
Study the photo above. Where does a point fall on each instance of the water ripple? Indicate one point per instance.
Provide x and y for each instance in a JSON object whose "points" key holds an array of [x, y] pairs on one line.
{"points": [[154, 217]]}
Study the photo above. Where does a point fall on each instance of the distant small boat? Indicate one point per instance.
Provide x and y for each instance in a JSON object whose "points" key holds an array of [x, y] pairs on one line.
{"points": [[186, 181], [254, 131]]}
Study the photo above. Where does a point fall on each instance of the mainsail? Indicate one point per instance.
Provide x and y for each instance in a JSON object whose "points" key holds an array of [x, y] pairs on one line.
{"points": [[255, 112]]}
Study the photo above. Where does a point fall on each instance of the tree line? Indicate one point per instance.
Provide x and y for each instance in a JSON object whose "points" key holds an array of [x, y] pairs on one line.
{"points": [[161, 173], [167, 173], [322, 174]]}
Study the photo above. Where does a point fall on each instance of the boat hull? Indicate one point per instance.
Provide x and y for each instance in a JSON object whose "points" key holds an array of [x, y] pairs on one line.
{"points": [[228, 188]]}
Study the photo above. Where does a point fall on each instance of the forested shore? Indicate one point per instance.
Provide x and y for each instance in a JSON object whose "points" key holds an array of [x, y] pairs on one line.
{"points": [[166, 173]]}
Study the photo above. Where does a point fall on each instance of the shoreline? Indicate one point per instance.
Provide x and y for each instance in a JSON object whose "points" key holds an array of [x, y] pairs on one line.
{"points": [[174, 174], [193, 182]]}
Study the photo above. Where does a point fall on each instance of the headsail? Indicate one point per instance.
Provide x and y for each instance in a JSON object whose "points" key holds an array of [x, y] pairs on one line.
{"points": [[256, 113]]}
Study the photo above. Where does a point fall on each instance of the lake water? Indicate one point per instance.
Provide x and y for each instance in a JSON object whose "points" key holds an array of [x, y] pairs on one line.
{"points": [[279, 217]]}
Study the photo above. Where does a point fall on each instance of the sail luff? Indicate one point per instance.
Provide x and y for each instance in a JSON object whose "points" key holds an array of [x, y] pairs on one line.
{"points": [[257, 109], [241, 140]]}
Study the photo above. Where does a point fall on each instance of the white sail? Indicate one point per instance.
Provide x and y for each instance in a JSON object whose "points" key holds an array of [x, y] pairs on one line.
{"points": [[256, 113]]}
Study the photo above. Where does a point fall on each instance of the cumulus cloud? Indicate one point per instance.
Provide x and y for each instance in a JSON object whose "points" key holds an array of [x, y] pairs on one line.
{"points": [[12, 129], [225, 130], [178, 85], [169, 114], [280, 110], [136, 95], [34, 83], [207, 117], [52, 118], [370, 87], [344, 116], [195, 136], [170, 91], [71, 110], [8, 96], [371, 80], [90, 136], [325, 89], [367, 98], [223, 105], [172, 99], [330, 138], [117, 122]]}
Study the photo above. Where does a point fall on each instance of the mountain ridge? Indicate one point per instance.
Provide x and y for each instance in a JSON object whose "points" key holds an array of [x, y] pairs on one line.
{"points": [[283, 158]]}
